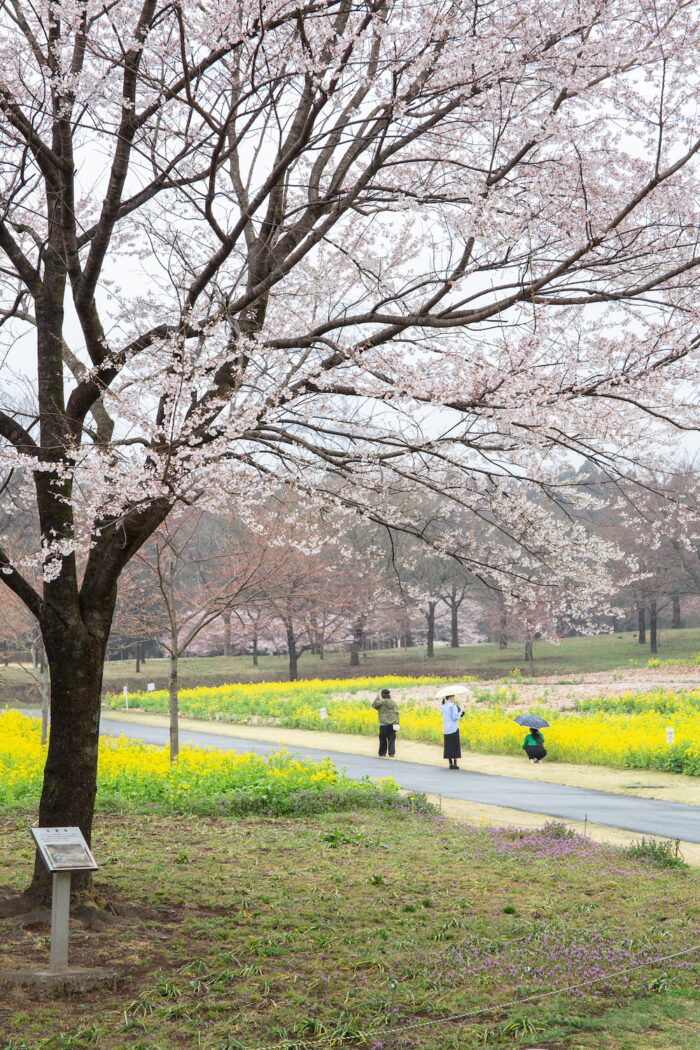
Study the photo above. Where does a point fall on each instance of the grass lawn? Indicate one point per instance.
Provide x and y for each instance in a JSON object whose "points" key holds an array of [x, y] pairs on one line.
{"points": [[572, 656], [244, 933]]}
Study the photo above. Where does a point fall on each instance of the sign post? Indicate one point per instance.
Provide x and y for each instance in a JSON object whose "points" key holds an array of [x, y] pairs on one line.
{"points": [[63, 850], [60, 922], [324, 715], [669, 735], [126, 696]]}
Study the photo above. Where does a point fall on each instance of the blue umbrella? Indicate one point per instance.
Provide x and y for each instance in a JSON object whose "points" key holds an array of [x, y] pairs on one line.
{"points": [[531, 721]]}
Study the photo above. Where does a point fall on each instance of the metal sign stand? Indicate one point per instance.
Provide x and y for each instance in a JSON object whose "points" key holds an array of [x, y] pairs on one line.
{"points": [[60, 922], [63, 851]]}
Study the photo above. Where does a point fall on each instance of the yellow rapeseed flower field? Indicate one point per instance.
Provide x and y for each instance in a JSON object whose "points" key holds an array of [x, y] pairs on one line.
{"points": [[200, 780], [626, 731]]}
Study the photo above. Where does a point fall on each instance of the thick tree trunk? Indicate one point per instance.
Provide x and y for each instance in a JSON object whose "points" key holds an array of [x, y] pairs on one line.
{"points": [[173, 705], [430, 617], [293, 654], [642, 623], [226, 617], [454, 626], [138, 658], [453, 603], [255, 646], [653, 646], [357, 629], [676, 621], [75, 657], [45, 694]]}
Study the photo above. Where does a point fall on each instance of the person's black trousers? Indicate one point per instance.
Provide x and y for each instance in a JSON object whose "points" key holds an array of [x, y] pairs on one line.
{"points": [[387, 739]]}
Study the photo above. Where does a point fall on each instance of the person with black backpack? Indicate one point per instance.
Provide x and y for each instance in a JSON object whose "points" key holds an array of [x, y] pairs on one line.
{"points": [[533, 746]]}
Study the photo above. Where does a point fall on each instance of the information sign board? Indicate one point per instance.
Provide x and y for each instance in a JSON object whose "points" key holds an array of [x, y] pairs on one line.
{"points": [[64, 849], [669, 735]]}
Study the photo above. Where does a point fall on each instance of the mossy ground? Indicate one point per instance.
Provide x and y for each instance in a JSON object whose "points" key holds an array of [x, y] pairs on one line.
{"points": [[246, 933]]}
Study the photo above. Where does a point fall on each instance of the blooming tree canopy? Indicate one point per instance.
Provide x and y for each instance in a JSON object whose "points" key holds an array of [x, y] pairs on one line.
{"points": [[353, 246]]}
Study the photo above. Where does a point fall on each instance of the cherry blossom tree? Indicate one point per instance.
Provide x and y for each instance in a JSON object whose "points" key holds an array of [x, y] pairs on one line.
{"points": [[353, 247], [305, 597], [200, 571], [657, 529]]}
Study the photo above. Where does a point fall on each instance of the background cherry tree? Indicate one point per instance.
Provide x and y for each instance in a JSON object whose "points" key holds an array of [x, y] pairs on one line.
{"points": [[351, 247]]}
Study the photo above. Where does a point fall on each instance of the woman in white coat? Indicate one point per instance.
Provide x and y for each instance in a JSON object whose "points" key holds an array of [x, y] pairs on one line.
{"points": [[451, 715]]}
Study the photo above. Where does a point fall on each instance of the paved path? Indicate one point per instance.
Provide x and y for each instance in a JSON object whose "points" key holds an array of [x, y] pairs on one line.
{"points": [[646, 816]]}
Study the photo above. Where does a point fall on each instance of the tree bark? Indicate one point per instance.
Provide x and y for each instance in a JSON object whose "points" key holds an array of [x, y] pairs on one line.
{"points": [[357, 629], [173, 705], [528, 655], [676, 621], [75, 654], [138, 658], [226, 617], [430, 617], [293, 654], [653, 647], [255, 646], [503, 631], [454, 603], [642, 622], [454, 626]]}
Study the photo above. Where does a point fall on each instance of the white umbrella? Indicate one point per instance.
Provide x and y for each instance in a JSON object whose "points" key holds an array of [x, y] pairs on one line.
{"points": [[452, 690]]}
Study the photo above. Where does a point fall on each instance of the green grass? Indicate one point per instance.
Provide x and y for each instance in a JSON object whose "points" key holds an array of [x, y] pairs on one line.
{"points": [[571, 657], [229, 934]]}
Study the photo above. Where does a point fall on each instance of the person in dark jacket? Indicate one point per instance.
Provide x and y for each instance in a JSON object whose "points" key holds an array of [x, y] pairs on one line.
{"points": [[388, 712], [533, 746]]}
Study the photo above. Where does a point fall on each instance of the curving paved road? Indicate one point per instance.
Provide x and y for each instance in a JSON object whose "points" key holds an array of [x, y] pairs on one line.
{"points": [[646, 816]]}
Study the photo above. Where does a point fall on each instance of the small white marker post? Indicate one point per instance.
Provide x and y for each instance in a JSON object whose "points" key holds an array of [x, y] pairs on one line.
{"points": [[324, 715], [63, 851], [669, 735], [151, 687], [126, 696]]}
